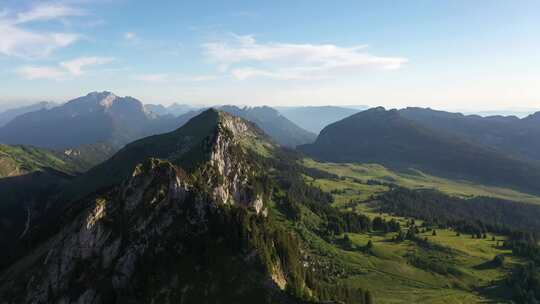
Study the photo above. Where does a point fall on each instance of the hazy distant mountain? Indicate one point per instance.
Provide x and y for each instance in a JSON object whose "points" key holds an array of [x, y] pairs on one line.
{"points": [[504, 112], [179, 109], [314, 119], [94, 118], [174, 109], [386, 137], [505, 133], [282, 130], [8, 115], [156, 109]]}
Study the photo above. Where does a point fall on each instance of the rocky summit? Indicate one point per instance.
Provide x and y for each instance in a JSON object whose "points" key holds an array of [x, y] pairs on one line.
{"points": [[165, 233]]}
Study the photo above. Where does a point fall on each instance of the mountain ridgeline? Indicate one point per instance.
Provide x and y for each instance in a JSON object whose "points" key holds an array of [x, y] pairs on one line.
{"points": [[28, 176], [508, 134], [388, 138], [213, 206], [10, 114], [184, 216], [94, 118], [106, 119], [282, 130]]}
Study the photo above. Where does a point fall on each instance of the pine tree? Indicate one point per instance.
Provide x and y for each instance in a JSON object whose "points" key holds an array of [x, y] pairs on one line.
{"points": [[368, 298], [369, 245]]}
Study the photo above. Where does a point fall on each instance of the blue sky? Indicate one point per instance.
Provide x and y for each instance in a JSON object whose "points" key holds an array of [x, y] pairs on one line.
{"points": [[467, 55]]}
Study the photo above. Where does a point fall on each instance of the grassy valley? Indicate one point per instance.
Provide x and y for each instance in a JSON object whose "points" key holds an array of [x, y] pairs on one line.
{"points": [[445, 266], [357, 182]]}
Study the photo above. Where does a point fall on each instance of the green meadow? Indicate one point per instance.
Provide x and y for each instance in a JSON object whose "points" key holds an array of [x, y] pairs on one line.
{"points": [[456, 269], [354, 183]]}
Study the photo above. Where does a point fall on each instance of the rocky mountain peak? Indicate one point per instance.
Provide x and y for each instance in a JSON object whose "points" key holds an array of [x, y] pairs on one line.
{"points": [[107, 102]]}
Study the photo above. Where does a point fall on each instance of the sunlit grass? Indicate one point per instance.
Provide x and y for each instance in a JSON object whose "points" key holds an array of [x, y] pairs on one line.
{"points": [[354, 177]]}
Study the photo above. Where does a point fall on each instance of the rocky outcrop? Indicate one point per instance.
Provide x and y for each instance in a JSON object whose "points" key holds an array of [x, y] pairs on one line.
{"points": [[158, 211]]}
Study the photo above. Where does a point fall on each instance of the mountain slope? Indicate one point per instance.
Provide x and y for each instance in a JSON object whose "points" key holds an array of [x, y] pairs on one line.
{"points": [[191, 227], [282, 130], [184, 146], [380, 136], [20, 160], [506, 133], [94, 118], [10, 114], [313, 118], [28, 177]]}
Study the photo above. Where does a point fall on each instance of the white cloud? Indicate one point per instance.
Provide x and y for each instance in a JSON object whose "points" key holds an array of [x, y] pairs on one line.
{"points": [[18, 42], [31, 44], [46, 12], [64, 70], [75, 66], [293, 61], [130, 36]]}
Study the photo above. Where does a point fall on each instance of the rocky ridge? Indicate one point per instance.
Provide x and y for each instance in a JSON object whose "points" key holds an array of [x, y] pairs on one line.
{"points": [[161, 210]]}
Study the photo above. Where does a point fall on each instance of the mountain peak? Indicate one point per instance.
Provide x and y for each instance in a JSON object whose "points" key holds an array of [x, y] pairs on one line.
{"points": [[108, 101], [533, 117]]}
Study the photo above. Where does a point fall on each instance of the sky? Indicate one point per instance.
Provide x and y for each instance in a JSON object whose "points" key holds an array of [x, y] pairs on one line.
{"points": [[452, 55]]}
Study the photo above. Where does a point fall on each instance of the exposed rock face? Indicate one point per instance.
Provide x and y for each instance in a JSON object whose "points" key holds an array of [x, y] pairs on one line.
{"points": [[98, 239], [226, 160], [101, 256]]}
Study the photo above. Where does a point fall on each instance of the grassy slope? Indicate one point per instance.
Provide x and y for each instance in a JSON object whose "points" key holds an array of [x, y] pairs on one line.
{"points": [[18, 160], [354, 177], [386, 271], [388, 274]]}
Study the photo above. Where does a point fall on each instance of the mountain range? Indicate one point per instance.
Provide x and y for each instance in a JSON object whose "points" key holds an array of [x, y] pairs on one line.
{"points": [[508, 134], [104, 118], [174, 109], [9, 114], [277, 126], [94, 118], [108, 200], [390, 138], [185, 218]]}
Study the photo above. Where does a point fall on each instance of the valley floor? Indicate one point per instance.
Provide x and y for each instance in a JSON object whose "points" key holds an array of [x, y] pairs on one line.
{"points": [[457, 268]]}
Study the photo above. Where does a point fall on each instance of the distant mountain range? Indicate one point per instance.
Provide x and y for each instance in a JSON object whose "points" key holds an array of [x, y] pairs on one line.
{"points": [[8, 115], [102, 117], [313, 118], [508, 134], [216, 211], [390, 138], [174, 109], [94, 118], [281, 129]]}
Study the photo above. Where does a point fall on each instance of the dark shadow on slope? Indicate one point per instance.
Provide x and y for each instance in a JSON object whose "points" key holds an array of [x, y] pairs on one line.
{"points": [[496, 292], [24, 200]]}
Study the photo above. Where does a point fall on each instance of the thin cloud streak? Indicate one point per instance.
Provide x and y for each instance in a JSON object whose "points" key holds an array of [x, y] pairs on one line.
{"points": [[293, 61], [45, 12], [64, 70], [33, 44]]}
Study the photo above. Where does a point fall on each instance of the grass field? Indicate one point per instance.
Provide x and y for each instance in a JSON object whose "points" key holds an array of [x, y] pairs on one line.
{"points": [[17, 160], [354, 179], [388, 270]]}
